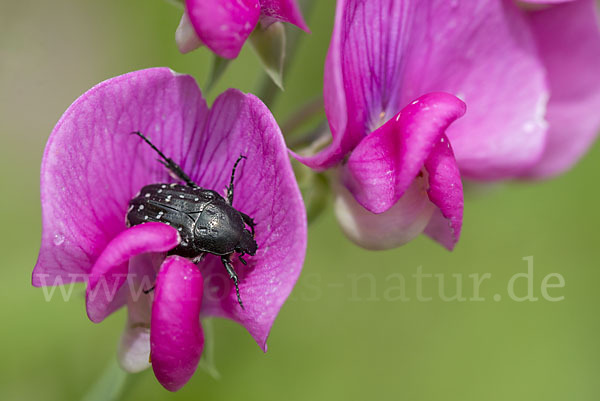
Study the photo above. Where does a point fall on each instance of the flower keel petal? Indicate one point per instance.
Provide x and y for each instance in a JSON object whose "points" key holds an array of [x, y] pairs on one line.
{"points": [[446, 192], [176, 337], [386, 162]]}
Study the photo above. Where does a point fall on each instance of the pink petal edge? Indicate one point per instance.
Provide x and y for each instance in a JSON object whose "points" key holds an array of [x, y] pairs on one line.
{"points": [[284, 10], [110, 271]]}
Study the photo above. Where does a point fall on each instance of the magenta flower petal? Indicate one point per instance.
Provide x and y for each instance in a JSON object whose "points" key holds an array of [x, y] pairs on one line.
{"points": [[385, 163], [384, 53], [111, 268], [446, 192], [284, 10], [486, 56], [546, 1], [176, 337], [265, 189], [568, 38], [92, 167], [223, 25]]}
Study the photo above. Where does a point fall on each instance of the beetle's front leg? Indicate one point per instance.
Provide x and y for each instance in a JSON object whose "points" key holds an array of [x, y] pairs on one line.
{"points": [[232, 275], [199, 258], [248, 220]]}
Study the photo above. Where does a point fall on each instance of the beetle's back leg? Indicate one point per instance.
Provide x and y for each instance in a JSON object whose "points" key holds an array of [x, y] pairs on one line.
{"points": [[232, 275], [170, 164], [230, 187]]}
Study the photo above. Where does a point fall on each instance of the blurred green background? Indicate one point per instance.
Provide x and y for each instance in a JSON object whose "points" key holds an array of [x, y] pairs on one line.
{"points": [[340, 337]]}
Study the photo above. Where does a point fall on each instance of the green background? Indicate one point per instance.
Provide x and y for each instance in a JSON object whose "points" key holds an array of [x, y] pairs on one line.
{"points": [[335, 339]]}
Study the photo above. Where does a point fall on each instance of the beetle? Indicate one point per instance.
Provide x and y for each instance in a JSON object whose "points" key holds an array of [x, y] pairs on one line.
{"points": [[206, 221]]}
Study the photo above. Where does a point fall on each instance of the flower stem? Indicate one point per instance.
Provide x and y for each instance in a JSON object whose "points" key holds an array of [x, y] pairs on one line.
{"points": [[307, 111], [112, 384]]}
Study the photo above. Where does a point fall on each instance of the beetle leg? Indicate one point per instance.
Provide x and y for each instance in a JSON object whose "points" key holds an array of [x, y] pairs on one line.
{"points": [[242, 259], [199, 258], [230, 187], [170, 164], [150, 290], [233, 276], [248, 220]]}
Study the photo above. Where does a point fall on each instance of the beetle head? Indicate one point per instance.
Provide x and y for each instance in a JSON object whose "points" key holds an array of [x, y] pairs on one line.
{"points": [[247, 243]]}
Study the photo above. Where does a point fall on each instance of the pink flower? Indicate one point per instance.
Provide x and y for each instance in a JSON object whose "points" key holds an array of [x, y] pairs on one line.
{"points": [[93, 167], [224, 25], [568, 40], [385, 55]]}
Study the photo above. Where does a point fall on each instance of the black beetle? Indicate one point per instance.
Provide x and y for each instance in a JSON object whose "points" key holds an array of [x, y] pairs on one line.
{"points": [[206, 221]]}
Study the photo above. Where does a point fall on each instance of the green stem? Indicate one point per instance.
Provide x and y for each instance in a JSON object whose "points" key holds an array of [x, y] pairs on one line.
{"points": [[307, 111], [112, 385]]}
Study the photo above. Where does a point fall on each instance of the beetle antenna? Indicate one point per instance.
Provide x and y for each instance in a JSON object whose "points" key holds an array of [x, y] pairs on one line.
{"points": [[170, 164], [230, 187]]}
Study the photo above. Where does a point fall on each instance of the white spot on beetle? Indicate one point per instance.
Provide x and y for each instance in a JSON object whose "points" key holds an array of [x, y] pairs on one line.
{"points": [[140, 208], [147, 195], [159, 191]]}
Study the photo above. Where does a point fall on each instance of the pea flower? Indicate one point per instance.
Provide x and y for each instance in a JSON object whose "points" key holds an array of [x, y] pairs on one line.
{"points": [[92, 167], [389, 62], [225, 25]]}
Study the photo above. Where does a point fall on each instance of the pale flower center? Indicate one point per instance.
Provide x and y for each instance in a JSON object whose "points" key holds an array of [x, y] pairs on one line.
{"points": [[397, 226]]}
